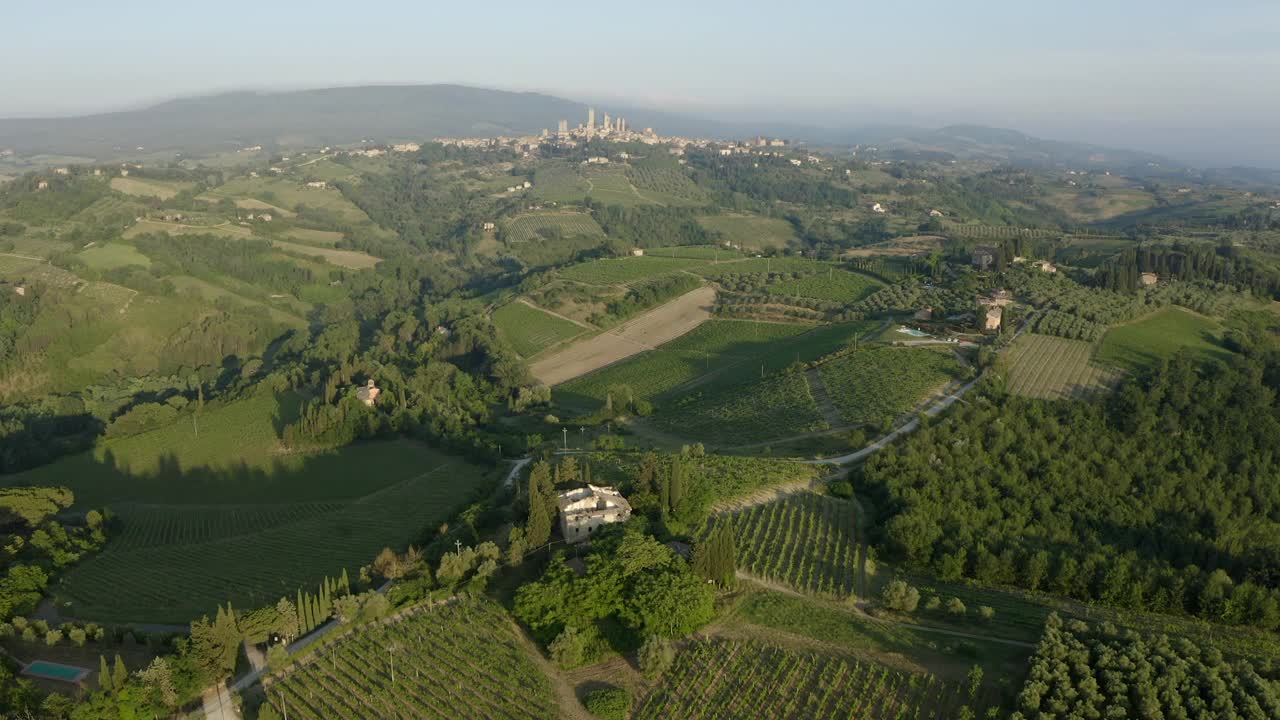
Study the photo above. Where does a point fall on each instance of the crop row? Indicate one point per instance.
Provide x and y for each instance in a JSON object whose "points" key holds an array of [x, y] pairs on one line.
{"points": [[461, 659], [528, 228], [874, 385], [1049, 367], [722, 679], [805, 541]]}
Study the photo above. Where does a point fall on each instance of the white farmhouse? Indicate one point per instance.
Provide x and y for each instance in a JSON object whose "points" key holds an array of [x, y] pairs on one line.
{"points": [[585, 509]]}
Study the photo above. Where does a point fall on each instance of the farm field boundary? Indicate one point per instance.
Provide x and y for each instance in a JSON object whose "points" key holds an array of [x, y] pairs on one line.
{"points": [[657, 326]]}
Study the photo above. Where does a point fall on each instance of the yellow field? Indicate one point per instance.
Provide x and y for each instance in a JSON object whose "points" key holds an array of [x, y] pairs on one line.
{"points": [[351, 259], [149, 226], [146, 187]]}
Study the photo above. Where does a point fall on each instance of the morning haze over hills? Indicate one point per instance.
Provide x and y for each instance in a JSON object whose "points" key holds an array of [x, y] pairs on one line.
{"points": [[391, 113], [419, 399]]}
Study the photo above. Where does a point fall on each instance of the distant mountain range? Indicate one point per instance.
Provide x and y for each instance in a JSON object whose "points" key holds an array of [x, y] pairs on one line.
{"points": [[334, 116]]}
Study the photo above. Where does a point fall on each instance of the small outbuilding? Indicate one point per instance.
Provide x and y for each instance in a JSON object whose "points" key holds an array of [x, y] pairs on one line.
{"points": [[369, 393], [995, 316]]}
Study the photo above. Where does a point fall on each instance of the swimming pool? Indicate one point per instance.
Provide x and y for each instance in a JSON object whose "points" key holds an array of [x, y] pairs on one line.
{"points": [[913, 332], [55, 671]]}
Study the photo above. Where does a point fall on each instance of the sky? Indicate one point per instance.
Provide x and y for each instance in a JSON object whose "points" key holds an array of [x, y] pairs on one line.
{"points": [[1198, 81]]}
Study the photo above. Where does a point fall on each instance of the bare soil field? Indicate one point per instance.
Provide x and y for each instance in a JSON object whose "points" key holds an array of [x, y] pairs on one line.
{"points": [[661, 324]]}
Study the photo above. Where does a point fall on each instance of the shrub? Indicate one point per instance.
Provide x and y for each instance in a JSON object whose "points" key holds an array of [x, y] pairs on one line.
{"points": [[933, 603], [987, 612], [610, 703], [277, 656], [843, 489], [53, 637], [29, 634], [900, 596], [574, 647], [656, 655], [78, 636], [955, 606]]}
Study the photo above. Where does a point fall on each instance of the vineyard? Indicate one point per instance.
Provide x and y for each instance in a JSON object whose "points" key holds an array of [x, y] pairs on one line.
{"points": [[1047, 367], [997, 232], [775, 407], [614, 271], [839, 286], [805, 541], [870, 386], [173, 562], [1079, 671], [761, 267], [530, 330], [725, 679], [463, 659], [668, 182], [540, 226]]}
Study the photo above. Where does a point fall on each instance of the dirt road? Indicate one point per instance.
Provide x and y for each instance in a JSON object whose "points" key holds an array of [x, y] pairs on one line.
{"points": [[661, 324]]}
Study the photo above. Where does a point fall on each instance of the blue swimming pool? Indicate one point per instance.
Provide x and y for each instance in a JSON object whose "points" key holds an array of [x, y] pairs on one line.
{"points": [[912, 332], [55, 671]]}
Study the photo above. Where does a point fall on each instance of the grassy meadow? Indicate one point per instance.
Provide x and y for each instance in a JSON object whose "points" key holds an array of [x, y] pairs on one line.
{"points": [[1146, 342], [751, 232], [531, 330]]}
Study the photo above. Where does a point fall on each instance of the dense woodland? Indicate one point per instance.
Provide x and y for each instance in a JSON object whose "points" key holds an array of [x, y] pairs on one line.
{"points": [[1160, 497]]}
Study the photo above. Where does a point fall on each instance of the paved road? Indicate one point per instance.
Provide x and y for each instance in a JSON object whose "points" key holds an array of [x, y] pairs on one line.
{"points": [[908, 427], [515, 470]]}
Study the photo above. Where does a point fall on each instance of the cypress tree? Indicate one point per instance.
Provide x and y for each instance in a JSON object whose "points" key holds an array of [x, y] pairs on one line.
{"points": [[301, 611], [104, 675], [120, 675], [344, 583]]}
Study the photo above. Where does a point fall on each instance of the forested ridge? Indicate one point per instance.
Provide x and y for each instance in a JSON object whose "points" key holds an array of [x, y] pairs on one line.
{"points": [[1162, 497]]}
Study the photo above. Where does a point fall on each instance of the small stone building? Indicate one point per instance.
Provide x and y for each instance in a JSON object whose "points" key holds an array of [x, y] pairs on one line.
{"points": [[995, 315], [369, 393], [585, 509], [984, 256]]}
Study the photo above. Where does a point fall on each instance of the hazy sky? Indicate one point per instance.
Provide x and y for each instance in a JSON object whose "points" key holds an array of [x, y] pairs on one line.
{"points": [[1199, 80]]}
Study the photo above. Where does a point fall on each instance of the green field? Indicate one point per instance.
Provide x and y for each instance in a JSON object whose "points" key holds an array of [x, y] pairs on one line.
{"points": [[525, 228], [559, 182], [1043, 366], [113, 255], [805, 541], [1145, 343], [465, 659], [230, 518], [872, 385], [761, 266], [838, 286], [731, 679], [751, 232], [613, 271], [289, 193], [530, 330], [705, 353], [667, 183]]}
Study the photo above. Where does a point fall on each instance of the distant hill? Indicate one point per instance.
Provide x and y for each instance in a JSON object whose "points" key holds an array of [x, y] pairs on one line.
{"points": [[333, 116], [999, 145], [291, 119]]}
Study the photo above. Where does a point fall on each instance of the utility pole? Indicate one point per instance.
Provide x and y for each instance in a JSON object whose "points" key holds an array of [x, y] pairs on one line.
{"points": [[458, 543]]}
